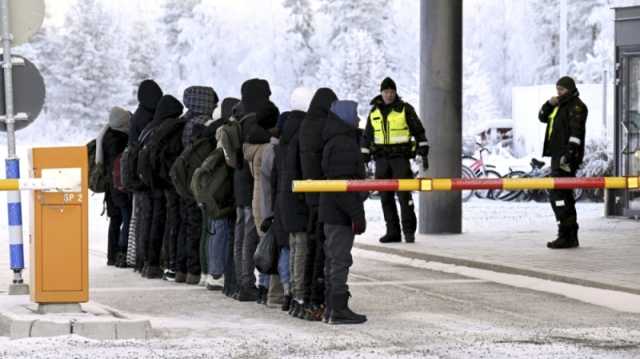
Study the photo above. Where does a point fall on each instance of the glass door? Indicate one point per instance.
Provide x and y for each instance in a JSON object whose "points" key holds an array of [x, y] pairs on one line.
{"points": [[630, 131]]}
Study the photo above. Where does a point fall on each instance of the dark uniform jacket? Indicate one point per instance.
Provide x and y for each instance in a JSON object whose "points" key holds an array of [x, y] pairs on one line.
{"points": [[568, 126], [413, 122]]}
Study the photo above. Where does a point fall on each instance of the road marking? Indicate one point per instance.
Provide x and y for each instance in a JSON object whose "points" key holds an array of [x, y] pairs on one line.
{"points": [[373, 283]]}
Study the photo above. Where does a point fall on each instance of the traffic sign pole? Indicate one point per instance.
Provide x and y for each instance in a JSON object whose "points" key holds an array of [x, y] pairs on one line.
{"points": [[16, 245]]}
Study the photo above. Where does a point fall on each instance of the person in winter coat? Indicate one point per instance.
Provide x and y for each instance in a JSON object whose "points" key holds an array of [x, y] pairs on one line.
{"points": [[149, 94], [342, 213], [566, 117], [110, 144], [168, 108], [291, 210], [260, 119], [391, 126], [200, 102], [219, 236], [311, 145]]}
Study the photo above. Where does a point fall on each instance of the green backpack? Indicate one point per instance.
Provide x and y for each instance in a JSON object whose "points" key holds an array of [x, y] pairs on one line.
{"points": [[212, 186], [98, 182], [186, 164]]}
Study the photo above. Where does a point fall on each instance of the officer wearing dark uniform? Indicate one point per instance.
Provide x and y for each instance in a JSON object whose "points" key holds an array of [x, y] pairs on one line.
{"points": [[388, 137], [566, 117]]}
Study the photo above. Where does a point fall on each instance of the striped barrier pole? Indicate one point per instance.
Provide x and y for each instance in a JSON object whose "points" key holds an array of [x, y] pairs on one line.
{"points": [[460, 184], [16, 246]]}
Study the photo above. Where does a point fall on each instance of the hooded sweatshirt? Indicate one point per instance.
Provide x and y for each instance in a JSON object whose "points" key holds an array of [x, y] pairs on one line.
{"points": [[311, 142], [119, 119], [149, 94]]}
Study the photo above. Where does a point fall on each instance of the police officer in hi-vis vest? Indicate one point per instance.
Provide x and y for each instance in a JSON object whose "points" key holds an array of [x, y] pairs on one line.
{"points": [[566, 118], [389, 137]]}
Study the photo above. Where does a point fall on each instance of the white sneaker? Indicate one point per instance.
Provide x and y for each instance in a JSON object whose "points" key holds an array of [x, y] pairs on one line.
{"points": [[215, 284], [203, 280]]}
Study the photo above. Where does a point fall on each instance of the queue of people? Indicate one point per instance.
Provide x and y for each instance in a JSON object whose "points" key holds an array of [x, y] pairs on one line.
{"points": [[192, 187]]}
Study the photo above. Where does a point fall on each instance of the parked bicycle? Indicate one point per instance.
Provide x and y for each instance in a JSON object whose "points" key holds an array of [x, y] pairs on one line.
{"points": [[538, 170], [477, 168]]}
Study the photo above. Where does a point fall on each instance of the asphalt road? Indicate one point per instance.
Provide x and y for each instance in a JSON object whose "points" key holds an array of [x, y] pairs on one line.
{"points": [[413, 313]]}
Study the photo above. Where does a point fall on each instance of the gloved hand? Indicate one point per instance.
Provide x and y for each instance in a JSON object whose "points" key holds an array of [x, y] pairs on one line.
{"points": [[425, 163], [266, 224], [359, 225], [572, 153], [423, 151]]}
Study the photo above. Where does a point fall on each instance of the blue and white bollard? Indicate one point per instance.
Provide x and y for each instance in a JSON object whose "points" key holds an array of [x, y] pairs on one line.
{"points": [[16, 246]]}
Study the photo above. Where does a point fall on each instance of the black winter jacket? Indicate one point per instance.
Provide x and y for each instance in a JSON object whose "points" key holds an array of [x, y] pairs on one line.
{"points": [[292, 206], [569, 126], [149, 94], [311, 141], [341, 159]]}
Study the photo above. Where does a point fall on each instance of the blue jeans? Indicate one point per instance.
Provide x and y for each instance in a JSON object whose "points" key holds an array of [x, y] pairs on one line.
{"points": [[283, 269], [218, 245], [264, 280]]}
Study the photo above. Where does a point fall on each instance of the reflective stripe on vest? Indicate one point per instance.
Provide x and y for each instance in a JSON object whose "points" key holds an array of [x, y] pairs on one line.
{"points": [[392, 132], [552, 119]]}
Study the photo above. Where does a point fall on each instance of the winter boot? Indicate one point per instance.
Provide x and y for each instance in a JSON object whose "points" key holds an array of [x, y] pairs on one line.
{"points": [[410, 237], [341, 314], [121, 260], [263, 292], [296, 305], [193, 279], [286, 305], [154, 272], [314, 313], [248, 294], [391, 237], [181, 277], [573, 236], [563, 241]]}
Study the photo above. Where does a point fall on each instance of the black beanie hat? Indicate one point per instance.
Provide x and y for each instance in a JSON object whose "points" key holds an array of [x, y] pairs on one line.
{"points": [[567, 82], [388, 84]]}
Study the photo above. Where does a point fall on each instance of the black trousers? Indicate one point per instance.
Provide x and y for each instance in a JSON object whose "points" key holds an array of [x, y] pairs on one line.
{"points": [[115, 223], [396, 167], [155, 211], [172, 229], [314, 288], [338, 247], [188, 246], [563, 202]]}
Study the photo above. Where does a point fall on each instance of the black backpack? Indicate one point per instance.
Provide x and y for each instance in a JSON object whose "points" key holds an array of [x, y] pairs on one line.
{"points": [[186, 164], [159, 150]]}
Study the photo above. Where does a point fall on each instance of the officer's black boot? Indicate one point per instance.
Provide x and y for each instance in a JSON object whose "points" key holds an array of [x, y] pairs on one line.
{"points": [[573, 236], [563, 241], [340, 312], [391, 236]]}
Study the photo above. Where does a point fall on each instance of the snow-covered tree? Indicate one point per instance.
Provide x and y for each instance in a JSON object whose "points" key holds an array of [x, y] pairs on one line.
{"points": [[93, 68], [143, 55], [300, 31], [479, 103]]}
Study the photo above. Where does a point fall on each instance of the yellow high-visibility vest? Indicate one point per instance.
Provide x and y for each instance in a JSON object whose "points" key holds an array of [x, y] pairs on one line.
{"points": [[552, 119], [394, 132]]}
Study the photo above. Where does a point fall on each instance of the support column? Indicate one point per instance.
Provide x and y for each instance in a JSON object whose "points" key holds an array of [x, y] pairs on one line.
{"points": [[441, 109]]}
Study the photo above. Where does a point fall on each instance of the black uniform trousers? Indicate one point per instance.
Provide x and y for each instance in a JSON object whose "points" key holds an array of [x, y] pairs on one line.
{"points": [[563, 201], [396, 167]]}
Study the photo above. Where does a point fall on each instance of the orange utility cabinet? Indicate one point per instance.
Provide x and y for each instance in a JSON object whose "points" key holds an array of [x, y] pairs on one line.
{"points": [[59, 230]]}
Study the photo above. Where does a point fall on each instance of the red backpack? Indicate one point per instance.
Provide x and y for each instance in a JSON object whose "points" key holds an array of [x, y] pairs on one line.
{"points": [[117, 174]]}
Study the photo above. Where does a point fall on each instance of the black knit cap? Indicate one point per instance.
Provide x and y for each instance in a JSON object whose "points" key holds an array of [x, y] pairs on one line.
{"points": [[388, 84], [567, 82]]}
